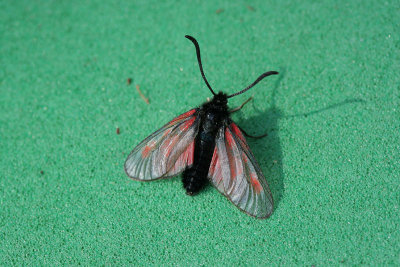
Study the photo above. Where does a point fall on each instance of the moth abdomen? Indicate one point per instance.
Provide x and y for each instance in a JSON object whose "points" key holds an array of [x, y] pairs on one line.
{"points": [[195, 177], [193, 180]]}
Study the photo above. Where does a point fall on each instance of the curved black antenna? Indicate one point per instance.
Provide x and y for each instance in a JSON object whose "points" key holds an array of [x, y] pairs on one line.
{"points": [[196, 44], [262, 76]]}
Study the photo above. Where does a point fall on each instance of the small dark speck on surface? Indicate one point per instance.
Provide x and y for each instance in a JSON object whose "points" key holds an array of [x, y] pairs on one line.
{"points": [[41, 172], [219, 11], [118, 131], [251, 8], [129, 81]]}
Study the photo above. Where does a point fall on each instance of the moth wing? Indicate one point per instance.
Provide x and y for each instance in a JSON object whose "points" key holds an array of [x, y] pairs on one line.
{"points": [[166, 152], [236, 174]]}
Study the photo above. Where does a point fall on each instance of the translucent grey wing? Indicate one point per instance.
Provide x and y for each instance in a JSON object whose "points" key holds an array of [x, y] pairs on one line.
{"points": [[236, 174], [166, 152]]}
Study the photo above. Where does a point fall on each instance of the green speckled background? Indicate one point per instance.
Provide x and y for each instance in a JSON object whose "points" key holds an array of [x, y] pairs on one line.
{"points": [[332, 115]]}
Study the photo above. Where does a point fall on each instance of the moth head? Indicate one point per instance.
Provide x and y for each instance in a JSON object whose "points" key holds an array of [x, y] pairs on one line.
{"points": [[220, 99]]}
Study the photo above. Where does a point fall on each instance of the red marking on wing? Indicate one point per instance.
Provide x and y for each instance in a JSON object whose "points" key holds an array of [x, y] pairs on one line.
{"points": [[147, 149], [169, 145], [167, 132], [182, 116], [185, 159], [236, 130], [238, 133], [187, 156], [171, 142], [190, 153], [215, 170], [229, 138], [213, 162], [253, 177], [244, 157], [185, 126], [232, 159], [256, 184]]}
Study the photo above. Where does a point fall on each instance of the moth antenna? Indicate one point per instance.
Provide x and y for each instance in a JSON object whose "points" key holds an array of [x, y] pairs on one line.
{"points": [[262, 76], [196, 44]]}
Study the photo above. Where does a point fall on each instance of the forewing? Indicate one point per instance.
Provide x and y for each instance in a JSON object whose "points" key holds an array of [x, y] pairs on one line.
{"points": [[236, 174], [166, 152]]}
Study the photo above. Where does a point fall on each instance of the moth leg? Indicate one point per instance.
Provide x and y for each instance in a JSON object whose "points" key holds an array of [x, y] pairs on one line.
{"points": [[252, 136], [241, 106]]}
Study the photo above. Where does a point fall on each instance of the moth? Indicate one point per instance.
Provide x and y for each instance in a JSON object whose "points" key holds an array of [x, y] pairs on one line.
{"points": [[204, 144]]}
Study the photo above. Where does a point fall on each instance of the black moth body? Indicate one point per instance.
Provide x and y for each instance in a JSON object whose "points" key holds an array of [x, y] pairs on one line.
{"points": [[213, 115], [205, 145]]}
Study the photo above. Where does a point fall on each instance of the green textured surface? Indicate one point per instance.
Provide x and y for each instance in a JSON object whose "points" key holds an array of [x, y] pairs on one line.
{"points": [[331, 157]]}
